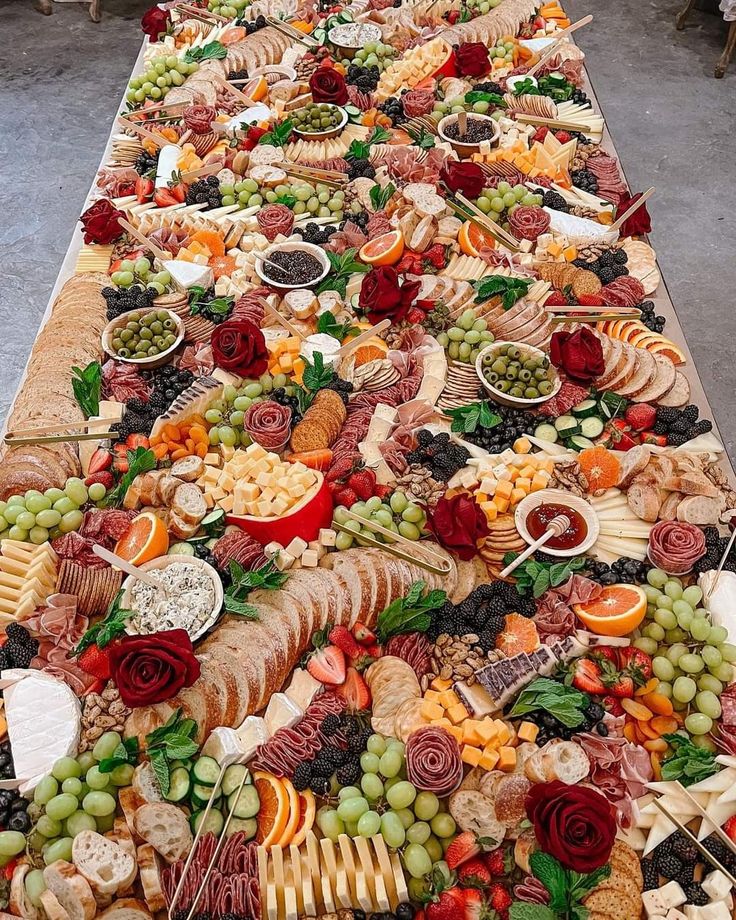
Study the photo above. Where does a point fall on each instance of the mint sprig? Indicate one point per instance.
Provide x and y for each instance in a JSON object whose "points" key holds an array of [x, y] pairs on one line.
{"points": [[341, 268], [687, 763], [267, 576], [109, 628], [172, 741], [507, 288], [565, 703], [465, 419], [87, 384], [538, 577], [410, 613], [140, 460], [212, 51], [566, 888]]}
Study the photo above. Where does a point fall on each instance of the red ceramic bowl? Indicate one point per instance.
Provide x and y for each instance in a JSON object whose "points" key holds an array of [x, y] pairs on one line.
{"points": [[305, 520], [448, 69]]}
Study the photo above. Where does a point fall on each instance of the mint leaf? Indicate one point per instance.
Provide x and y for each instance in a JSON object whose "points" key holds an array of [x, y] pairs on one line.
{"points": [[87, 384], [380, 197], [521, 911], [554, 878], [415, 592], [508, 288], [582, 884], [140, 461], [160, 768], [125, 753], [541, 583], [410, 613], [212, 51], [240, 608]]}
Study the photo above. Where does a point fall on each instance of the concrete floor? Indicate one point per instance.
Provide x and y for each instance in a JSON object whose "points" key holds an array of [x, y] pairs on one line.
{"points": [[673, 123]]}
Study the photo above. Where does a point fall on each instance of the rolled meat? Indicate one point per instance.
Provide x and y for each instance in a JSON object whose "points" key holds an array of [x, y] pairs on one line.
{"points": [[433, 760], [675, 546]]}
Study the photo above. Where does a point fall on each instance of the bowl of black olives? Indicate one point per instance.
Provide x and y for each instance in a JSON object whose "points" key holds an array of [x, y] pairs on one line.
{"points": [[146, 338], [518, 375]]}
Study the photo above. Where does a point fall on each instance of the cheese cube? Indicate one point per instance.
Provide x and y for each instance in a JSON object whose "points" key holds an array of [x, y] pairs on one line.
{"points": [[489, 759], [471, 755], [280, 505], [470, 733], [513, 474], [501, 473], [297, 546], [440, 683], [272, 549], [490, 509], [524, 483], [659, 900], [284, 561], [528, 471], [502, 504], [227, 503], [327, 536], [212, 475], [504, 734], [488, 485], [433, 696], [431, 711], [517, 496], [487, 731], [506, 758], [456, 732], [211, 459], [528, 731], [716, 885], [443, 723], [523, 445], [503, 490], [507, 455], [538, 482], [447, 698], [457, 713], [310, 558]]}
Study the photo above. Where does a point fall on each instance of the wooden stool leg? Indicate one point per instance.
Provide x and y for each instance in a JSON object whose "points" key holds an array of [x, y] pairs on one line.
{"points": [[683, 14], [728, 51], [94, 11]]}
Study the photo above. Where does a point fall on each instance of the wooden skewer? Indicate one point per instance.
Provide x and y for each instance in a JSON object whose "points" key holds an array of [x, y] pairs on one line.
{"points": [[209, 170], [64, 426], [203, 14], [720, 833], [143, 240], [556, 527], [234, 91], [312, 170], [722, 562], [571, 308], [62, 438], [619, 222], [146, 135], [588, 318], [462, 123], [552, 49], [363, 337], [709, 857], [491, 224], [151, 109], [549, 122], [397, 538], [324, 180], [294, 34], [125, 566], [283, 321]]}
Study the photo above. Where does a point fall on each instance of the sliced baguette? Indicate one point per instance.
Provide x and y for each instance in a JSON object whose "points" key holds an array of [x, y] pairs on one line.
{"points": [[166, 828], [51, 906], [188, 503], [71, 889], [106, 865], [148, 866], [146, 784], [700, 509], [20, 903], [126, 909]]}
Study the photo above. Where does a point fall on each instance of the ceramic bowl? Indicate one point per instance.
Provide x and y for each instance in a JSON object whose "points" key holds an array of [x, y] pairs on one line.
{"points": [[328, 133], [527, 351], [558, 497], [262, 269], [467, 149], [148, 363]]}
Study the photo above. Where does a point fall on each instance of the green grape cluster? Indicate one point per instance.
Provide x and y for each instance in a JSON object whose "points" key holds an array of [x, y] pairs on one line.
{"points": [[225, 415], [399, 515], [373, 54], [467, 338], [231, 9], [503, 200], [386, 803], [76, 797], [458, 104], [317, 200], [161, 74], [141, 271], [36, 517], [482, 6], [690, 655]]}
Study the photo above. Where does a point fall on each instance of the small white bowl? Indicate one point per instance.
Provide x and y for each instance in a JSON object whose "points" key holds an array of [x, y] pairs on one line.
{"points": [[558, 497], [290, 246], [504, 398], [275, 72], [161, 562], [370, 33], [467, 149], [511, 82], [149, 363], [327, 133]]}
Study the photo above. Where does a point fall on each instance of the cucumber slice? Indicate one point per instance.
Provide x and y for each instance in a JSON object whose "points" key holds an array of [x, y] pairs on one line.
{"points": [[591, 427], [246, 804], [546, 432], [567, 426], [249, 826], [205, 771], [213, 518], [577, 442], [180, 549], [611, 404], [179, 785], [233, 776], [202, 793], [213, 824], [586, 408]]}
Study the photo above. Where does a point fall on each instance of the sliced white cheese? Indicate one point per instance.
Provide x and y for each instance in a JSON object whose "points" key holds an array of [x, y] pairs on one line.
{"points": [[303, 688], [277, 862], [370, 452], [168, 163], [366, 864], [348, 859], [281, 712], [310, 903], [295, 865], [314, 865], [251, 734], [188, 274], [249, 116], [384, 868], [224, 745], [402, 892], [44, 723]]}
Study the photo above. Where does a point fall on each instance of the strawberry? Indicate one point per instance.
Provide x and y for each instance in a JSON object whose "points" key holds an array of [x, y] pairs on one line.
{"points": [[327, 665], [612, 705], [622, 687], [362, 483], [556, 299], [649, 437], [641, 416], [164, 198], [474, 873], [344, 496], [144, 188], [563, 136], [464, 847], [636, 663], [729, 828], [101, 460], [620, 437], [179, 190], [120, 458], [497, 862], [586, 676], [355, 692], [453, 16], [446, 907], [473, 904], [540, 134], [609, 652], [363, 634], [344, 640], [104, 476], [415, 316], [95, 661], [340, 469], [382, 491], [590, 300], [375, 651], [499, 897]]}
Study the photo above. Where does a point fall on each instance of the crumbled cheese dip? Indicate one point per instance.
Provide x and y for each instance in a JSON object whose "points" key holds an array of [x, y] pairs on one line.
{"points": [[184, 601]]}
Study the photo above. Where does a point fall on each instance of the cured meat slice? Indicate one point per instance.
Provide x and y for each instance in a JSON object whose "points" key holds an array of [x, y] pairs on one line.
{"points": [[433, 761], [675, 546]]}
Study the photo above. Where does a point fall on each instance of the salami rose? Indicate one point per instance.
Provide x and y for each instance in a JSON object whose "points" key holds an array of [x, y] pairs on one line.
{"points": [[199, 118], [528, 222], [275, 219], [269, 424], [676, 546], [417, 102], [433, 761]]}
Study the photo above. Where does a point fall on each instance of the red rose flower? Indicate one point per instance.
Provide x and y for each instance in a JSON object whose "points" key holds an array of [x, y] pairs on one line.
{"points": [[640, 221], [327, 85], [579, 354], [575, 824], [154, 22], [471, 59], [382, 295], [463, 176], [100, 222], [238, 345], [459, 524], [152, 669]]}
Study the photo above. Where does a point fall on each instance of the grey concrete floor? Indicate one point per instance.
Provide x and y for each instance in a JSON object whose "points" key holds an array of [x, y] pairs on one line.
{"points": [[674, 126]]}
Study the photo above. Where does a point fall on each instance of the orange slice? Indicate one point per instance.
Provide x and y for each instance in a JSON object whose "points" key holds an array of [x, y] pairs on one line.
{"points": [[385, 249], [306, 814], [257, 88], [366, 353], [616, 612], [222, 265], [294, 814], [472, 239], [600, 466], [232, 35], [274, 813], [145, 539], [210, 239], [518, 635]]}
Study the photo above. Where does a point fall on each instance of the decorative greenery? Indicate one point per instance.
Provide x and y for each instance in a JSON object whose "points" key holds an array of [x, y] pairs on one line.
{"points": [[125, 753], [341, 268], [140, 460], [173, 741], [687, 763], [466, 419], [507, 288], [267, 576], [212, 51], [410, 613], [565, 703], [112, 626], [359, 150], [539, 576], [328, 324], [380, 197], [566, 888], [279, 135], [86, 384]]}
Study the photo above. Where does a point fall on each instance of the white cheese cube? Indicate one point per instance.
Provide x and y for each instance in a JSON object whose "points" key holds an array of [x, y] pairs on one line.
{"points": [[501, 472], [507, 455], [223, 744], [327, 536], [488, 485], [272, 549], [284, 561], [659, 900], [310, 558], [716, 910], [674, 914], [303, 688], [297, 546], [716, 885]]}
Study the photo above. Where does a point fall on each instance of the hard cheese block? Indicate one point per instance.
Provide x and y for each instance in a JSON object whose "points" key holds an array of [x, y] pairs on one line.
{"points": [[27, 577]]}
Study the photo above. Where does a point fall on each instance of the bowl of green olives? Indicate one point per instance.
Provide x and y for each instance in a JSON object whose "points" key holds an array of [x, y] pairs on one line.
{"points": [[516, 374], [146, 338], [319, 121]]}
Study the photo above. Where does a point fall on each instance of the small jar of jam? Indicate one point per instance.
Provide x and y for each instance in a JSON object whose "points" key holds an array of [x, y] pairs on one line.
{"points": [[539, 518]]}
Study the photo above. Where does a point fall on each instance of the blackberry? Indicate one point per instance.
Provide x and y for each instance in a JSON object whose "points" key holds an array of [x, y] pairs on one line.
{"points": [[579, 97], [16, 631], [651, 876], [660, 428], [585, 180], [394, 109], [690, 413], [555, 201], [676, 440], [361, 168], [205, 191], [685, 850], [330, 724], [621, 256], [712, 537], [21, 653], [696, 894], [606, 275], [488, 87], [365, 78], [668, 415], [348, 774], [716, 848], [302, 776], [669, 866], [320, 785], [331, 758], [701, 427], [181, 914], [355, 743], [203, 915]]}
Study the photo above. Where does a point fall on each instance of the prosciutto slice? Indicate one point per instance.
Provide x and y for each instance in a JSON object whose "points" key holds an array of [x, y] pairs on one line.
{"points": [[59, 627]]}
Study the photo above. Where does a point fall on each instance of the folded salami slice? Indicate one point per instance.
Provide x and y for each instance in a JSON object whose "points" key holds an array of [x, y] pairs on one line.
{"points": [[433, 760], [675, 546], [275, 219], [269, 424]]}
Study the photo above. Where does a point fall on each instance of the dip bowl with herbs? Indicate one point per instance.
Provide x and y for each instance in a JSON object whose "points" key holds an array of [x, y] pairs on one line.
{"points": [[295, 265]]}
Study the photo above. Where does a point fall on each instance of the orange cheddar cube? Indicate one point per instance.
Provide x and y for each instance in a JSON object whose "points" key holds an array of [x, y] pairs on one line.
{"points": [[470, 732], [471, 755], [440, 684], [503, 731], [489, 759], [490, 510], [522, 446], [528, 731], [455, 713], [517, 495], [513, 474], [433, 696], [448, 698], [502, 504], [506, 759], [528, 471], [548, 466], [523, 482], [442, 723], [503, 490], [538, 483], [487, 730], [456, 732], [570, 253], [431, 711]]}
